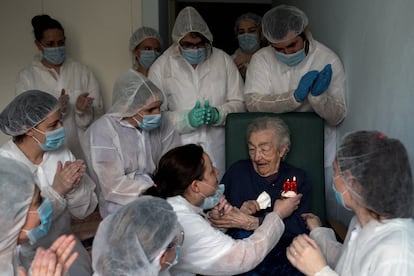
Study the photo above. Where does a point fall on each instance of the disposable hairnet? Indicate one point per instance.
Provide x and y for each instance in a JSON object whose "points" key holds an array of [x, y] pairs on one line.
{"points": [[256, 19], [283, 23], [140, 35], [188, 21], [26, 111], [16, 193], [129, 240], [381, 169], [132, 92]]}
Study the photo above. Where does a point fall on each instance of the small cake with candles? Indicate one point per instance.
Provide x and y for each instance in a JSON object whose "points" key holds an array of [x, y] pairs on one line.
{"points": [[289, 188]]}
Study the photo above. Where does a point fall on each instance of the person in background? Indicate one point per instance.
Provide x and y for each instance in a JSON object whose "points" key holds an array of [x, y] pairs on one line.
{"points": [[21, 205], [69, 81], [201, 84], [123, 146], [33, 119], [373, 179], [142, 238], [246, 180], [186, 177], [296, 73], [145, 46], [248, 30]]}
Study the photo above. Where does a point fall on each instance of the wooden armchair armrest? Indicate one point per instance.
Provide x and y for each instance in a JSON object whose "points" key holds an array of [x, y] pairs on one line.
{"points": [[339, 228]]}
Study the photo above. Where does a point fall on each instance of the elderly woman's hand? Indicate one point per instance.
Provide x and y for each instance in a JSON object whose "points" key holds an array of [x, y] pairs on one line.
{"points": [[312, 221], [234, 219], [250, 207], [305, 255], [67, 177], [222, 208]]}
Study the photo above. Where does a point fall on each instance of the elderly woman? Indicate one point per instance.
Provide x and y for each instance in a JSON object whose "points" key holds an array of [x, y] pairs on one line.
{"points": [[372, 177], [188, 179], [142, 238], [33, 118], [268, 142], [249, 36], [145, 46], [124, 145]]}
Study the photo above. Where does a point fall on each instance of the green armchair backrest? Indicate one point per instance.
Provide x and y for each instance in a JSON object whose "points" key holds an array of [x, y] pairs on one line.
{"points": [[306, 151]]}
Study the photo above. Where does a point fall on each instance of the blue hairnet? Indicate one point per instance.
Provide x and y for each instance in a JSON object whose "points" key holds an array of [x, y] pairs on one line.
{"points": [[140, 35], [132, 92], [129, 240], [189, 21], [283, 23], [26, 111]]}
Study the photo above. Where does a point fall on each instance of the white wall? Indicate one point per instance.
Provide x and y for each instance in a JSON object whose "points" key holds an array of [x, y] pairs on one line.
{"points": [[97, 34]]}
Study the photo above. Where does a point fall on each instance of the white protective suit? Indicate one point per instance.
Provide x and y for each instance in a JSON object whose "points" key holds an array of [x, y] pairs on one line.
{"points": [[208, 251], [76, 79], [16, 193], [120, 156], [216, 79], [270, 85], [79, 203], [379, 248]]}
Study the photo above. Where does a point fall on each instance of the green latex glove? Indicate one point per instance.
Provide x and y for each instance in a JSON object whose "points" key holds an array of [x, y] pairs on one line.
{"points": [[212, 114], [196, 116]]}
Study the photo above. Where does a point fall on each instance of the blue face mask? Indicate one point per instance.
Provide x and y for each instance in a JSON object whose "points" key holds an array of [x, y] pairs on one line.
{"points": [[147, 58], [45, 212], [149, 122], [177, 255], [248, 42], [54, 139], [194, 56], [212, 201], [54, 55], [340, 197], [292, 59]]}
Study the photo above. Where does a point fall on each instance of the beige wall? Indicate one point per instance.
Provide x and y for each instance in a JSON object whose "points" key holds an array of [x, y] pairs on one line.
{"points": [[97, 34]]}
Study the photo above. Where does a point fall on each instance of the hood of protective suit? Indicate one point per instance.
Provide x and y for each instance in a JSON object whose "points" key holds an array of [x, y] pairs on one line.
{"points": [[187, 21], [132, 92]]}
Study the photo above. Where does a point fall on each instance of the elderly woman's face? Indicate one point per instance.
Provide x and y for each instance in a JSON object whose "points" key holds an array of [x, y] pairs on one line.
{"points": [[265, 153]]}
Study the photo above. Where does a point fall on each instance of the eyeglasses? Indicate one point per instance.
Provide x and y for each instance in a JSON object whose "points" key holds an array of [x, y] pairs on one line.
{"points": [[190, 45], [177, 241]]}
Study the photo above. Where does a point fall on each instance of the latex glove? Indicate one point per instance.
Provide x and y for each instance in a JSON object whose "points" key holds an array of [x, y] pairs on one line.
{"points": [[305, 85], [63, 101], [212, 114], [84, 102], [322, 82], [196, 116]]}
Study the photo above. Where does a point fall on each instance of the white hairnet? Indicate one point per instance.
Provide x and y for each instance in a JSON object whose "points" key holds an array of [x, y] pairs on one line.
{"points": [[140, 35], [132, 92], [382, 171], [256, 19], [129, 240], [189, 21], [283, 23], [26, 111], [16, 193]]}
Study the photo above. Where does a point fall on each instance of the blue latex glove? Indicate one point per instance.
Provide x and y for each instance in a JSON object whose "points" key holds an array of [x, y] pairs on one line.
{"points": [[212, 114], [322, 82], [196, 116], [305, 85]]}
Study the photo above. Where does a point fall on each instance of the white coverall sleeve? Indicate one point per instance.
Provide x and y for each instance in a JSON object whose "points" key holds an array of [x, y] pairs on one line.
{"points": [[58, 202], [258, 90], [331, 105], [106, 157], [85, 118], [331, 248]]}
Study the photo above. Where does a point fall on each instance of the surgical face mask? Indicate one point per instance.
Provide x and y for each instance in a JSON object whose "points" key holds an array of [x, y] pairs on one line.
{"points": [[54, 55], [175, 261], [147, 58], [45, 212], [248, 42], [211, 201], [292, 59], [340, 197], [194, 56], [149, 122], [54, 139]]}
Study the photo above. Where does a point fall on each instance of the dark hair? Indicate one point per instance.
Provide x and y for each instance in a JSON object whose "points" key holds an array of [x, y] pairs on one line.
{"points": [[44, 22], [177, 169]]}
